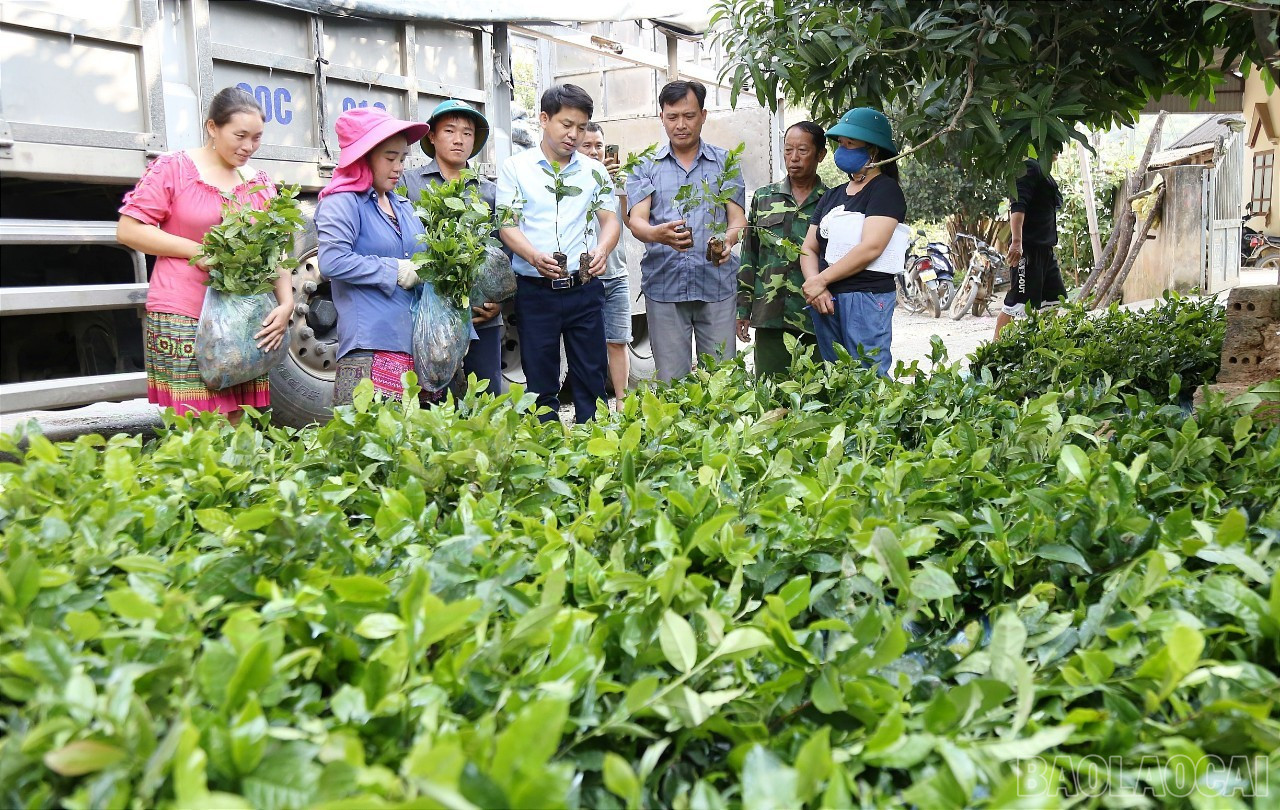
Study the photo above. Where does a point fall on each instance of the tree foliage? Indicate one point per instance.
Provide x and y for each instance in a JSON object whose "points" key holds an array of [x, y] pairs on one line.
{"points": [[991, 79], [937, 189]]}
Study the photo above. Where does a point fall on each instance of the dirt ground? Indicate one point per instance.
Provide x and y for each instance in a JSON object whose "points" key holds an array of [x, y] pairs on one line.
{"points": [[912, 335]]}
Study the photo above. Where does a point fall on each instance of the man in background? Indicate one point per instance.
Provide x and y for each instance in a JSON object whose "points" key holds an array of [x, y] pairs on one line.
{"points": [[617, 291], [1033, 227]]}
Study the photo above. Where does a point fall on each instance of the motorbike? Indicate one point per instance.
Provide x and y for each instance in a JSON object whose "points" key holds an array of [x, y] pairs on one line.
{"points": [[1257, 249], [927, 284], [988, 272]]}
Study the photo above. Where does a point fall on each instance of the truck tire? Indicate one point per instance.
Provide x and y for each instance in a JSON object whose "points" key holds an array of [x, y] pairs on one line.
{"points": [[302, 384], [640, 369]]}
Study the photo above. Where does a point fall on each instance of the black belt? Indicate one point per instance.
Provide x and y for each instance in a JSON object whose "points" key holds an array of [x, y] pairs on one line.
{"points": [[560, 284]]}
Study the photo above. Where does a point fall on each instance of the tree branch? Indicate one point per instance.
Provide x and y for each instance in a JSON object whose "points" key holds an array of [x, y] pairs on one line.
{"points": [[1244, 5], [951, 126]]}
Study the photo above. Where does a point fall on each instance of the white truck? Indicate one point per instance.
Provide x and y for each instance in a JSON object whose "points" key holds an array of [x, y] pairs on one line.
{"points": [[90, 90]]}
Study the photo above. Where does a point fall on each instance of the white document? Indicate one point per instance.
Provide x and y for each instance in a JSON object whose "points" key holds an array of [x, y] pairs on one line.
{"points": [[843, 231]]}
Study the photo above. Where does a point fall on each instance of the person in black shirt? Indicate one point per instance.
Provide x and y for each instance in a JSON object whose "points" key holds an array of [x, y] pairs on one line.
{"points": [[1033, 225], [856, 244]]}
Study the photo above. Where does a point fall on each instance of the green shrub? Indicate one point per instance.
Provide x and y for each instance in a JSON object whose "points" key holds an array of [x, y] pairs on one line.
{"points": [[1166, 351], [837, 590]]}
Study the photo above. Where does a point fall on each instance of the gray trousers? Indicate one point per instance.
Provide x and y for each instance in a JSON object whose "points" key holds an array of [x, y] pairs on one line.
{"points": [[673, 328]]}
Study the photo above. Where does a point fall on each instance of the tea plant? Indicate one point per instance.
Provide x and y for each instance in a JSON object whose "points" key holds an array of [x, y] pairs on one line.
{"points": [[713, 195], [836, 590], [1167, 351], [561, 190], [457, 224], [247, 250]]}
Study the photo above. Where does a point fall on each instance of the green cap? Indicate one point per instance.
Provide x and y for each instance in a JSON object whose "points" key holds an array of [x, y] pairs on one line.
{"points": [[455, 107], [865, 124]]}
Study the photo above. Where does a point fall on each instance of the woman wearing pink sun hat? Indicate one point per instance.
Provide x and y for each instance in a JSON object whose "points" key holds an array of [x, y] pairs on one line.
{"points": [[367, 233]]}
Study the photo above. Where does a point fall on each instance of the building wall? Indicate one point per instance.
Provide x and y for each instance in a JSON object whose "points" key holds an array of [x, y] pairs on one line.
{"points": [[1173, 256], [1255, 93]]}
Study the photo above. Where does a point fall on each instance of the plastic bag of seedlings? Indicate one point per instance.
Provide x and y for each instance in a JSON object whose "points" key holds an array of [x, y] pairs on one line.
{"points": [[496, 281], [226, 352], [441, 336]]}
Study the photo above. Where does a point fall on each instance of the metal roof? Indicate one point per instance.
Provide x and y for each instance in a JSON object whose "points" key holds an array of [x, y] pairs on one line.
{"points": [[1221, 126]]}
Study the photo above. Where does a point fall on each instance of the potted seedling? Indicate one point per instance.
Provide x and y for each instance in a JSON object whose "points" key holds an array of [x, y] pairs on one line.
{"points": [[561, 190], [604, 187], [715, 194]]}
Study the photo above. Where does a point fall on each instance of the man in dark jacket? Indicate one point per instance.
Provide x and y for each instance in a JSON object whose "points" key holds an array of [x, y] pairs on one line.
{"points": [[1033, 223]]}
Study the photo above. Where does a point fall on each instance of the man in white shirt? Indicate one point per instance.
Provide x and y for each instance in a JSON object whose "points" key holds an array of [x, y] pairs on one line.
{"points": [[553, 188]]}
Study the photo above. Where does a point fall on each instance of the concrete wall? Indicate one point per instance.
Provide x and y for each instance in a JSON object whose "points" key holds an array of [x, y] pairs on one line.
{"points": [[1173, 257], [1255, 93]]}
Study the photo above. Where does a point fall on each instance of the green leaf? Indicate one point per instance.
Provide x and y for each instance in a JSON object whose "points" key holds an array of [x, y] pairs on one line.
{"points": [[931, 583], [1232, 529], [286, 778], [814, 764], [620, 780], [767, 784], [1061, 553], [252, 673], [50, 656], [827, 696], [83, 757], [248, 737], [1008, 637], [254, 519], [741, 640], [445, 619], [379, 626], [888, 552], [128, 604], [1074, 463], [678, 643], [360, 588], [1185, 644]]}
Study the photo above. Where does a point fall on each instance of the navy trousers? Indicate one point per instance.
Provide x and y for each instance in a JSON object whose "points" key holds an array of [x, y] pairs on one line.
{"points": [[543, 318], [484, 357]]}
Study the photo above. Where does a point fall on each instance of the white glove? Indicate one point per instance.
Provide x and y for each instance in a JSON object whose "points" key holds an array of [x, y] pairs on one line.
{"points": [[406, 274]]}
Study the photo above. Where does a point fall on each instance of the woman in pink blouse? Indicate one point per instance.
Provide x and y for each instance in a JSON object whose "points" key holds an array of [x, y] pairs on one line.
{"points": [[177, 201]]}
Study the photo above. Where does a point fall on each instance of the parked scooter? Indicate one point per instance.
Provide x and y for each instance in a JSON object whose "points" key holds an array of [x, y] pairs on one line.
{"points": [[927, 284], [1257, 249], [988, 273]]}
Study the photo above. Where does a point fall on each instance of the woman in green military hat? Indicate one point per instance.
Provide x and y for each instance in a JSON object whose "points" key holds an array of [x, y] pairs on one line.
{"points": [[857, 244]]}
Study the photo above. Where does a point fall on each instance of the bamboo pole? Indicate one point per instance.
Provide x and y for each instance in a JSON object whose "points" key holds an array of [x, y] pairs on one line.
{"points": [[1090, 204]]}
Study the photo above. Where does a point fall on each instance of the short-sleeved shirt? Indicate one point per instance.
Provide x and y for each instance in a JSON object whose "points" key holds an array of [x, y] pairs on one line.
{"points": [[764, 266], [667, 274], [524, 177], [416, 179], [1039, 199], [880, 197], [359, 253], [171, 196]]}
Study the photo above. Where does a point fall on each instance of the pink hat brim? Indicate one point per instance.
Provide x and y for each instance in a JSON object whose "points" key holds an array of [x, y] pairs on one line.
{"points": [[385, 129]]}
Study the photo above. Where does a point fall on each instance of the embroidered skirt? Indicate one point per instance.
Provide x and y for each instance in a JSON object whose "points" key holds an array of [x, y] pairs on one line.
{"points": [[173, 380], [383, 369]]}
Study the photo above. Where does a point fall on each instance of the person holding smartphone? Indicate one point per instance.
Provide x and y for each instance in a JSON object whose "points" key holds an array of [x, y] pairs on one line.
{"points": [[617, 292]]}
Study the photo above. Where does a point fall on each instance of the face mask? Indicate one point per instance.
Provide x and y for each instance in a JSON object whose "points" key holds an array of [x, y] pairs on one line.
{"points": [[851, 161]]}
